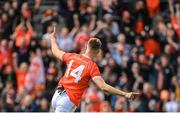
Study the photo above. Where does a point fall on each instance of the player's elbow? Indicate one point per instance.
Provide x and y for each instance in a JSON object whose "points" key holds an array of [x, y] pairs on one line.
{"points": [[53, 51], [100, 83], [103, 87]]}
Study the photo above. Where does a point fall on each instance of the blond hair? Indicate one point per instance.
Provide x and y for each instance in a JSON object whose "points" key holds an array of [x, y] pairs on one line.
{"points": [[94, 44]]}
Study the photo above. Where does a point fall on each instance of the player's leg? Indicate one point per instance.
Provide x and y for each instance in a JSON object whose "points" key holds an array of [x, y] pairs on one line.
{"points": [[54, 100], [64, 104]]}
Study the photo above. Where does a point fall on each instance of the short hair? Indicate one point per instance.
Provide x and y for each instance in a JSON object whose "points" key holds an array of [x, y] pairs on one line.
{"points": [[94, 44]]}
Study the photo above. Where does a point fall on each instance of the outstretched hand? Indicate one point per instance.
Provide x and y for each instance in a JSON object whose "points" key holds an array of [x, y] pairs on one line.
{"points": [[132, 95], [53, 34]]}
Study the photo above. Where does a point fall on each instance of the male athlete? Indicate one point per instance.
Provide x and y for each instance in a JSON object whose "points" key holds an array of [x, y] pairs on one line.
{"points": [[80, 70]]}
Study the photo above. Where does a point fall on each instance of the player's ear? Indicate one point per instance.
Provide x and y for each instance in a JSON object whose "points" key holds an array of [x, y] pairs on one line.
{"points": [[98, 52]]}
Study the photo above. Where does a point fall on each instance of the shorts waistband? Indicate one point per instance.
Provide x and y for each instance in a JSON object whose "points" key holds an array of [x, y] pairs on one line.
{"points": [[60, 90]]}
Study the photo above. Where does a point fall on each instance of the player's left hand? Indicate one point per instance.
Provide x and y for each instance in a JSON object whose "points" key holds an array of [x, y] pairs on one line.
{"points": [[132, 95]]}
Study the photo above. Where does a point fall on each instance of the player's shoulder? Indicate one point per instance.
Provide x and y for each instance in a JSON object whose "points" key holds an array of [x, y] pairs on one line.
{"points": [[81, 57], [69, 54], [88, 60], [72, 55]]}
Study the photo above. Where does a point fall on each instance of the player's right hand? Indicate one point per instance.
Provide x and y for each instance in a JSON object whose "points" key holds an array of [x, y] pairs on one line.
{"points": [[53, 34], [132, 95]]}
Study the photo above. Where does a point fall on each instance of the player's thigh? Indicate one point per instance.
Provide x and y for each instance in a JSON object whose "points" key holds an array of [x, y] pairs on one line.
{"points": [[62, 109], [64, 104], [54, 100]]}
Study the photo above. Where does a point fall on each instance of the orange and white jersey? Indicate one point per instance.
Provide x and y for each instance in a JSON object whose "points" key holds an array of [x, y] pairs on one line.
{"points": [[80, 70]]}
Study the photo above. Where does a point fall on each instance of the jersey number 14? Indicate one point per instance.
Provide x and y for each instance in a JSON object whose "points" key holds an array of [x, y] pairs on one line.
{"points": [[76, 73]]}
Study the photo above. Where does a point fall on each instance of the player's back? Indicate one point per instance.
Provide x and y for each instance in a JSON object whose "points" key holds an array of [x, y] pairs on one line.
{"points": [[80, 70]]}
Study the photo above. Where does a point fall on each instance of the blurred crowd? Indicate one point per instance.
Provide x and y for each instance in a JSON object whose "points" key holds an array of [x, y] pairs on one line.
{"points": [[140, 52]]}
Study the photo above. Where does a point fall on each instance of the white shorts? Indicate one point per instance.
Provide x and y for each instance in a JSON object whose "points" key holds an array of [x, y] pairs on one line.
{"points": [[61, 102]]}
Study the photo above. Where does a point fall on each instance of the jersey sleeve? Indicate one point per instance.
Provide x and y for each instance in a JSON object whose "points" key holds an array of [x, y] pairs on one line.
{"points": [[95, 71], [67, 57]]}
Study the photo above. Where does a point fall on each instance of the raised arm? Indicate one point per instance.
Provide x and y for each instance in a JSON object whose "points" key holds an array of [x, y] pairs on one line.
{"points": [[107, 88], [171, 9], [99, 27], [28, 23], [178, 12], [76, 25], [54, 47]]}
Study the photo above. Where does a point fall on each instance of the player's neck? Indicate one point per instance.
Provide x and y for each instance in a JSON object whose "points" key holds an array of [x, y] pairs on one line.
{"points": [[88, 55]]}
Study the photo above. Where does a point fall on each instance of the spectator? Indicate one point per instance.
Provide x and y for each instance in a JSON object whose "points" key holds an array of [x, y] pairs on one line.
{"points": [[120, 105], [45, 37], [51, 81], [175, 17], [5, 53], [136, 74], [146, 98], [113, 26], [172, 105], [21, 73], [22, 53], [151, 46], [122, 49], [44, 105], [8, 95], [27, 104], [81, 38], [25, 10], [23, 30], [105, 107], [35, 78], [66, 38], [49, 16], [153, 7], [167, 72]]}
